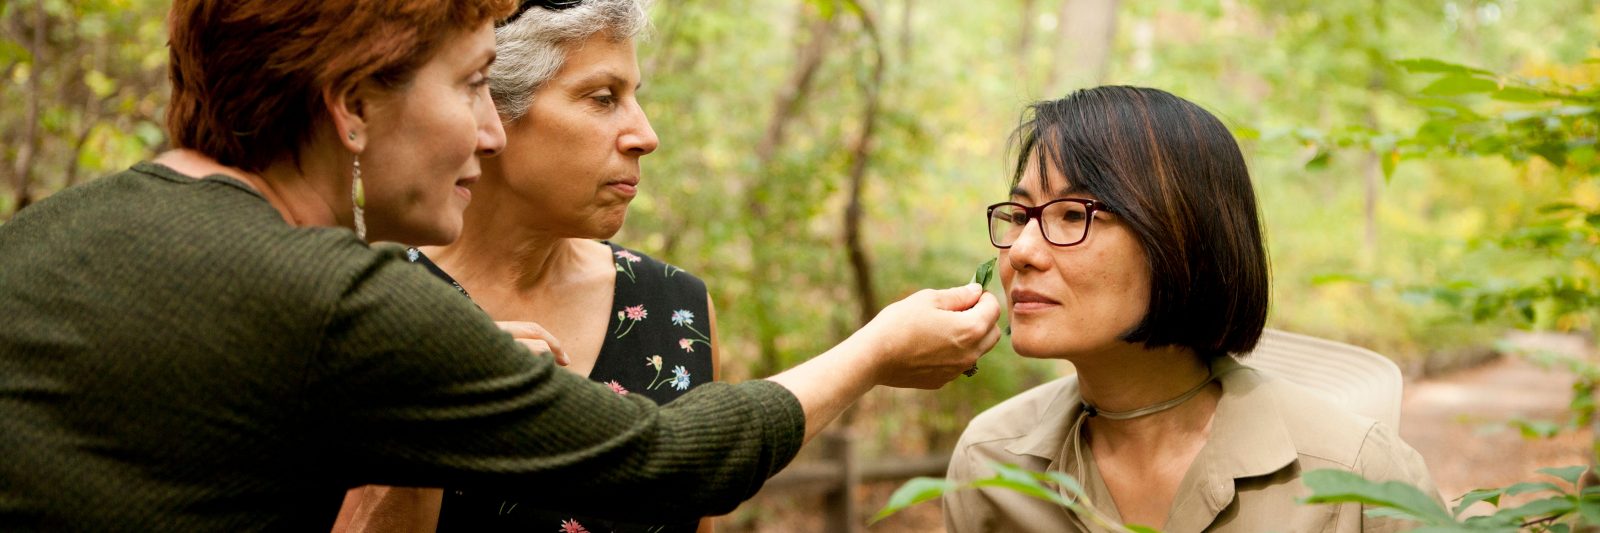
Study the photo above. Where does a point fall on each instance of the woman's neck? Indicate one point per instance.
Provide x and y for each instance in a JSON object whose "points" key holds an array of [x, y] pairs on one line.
{"points": [[499, 250], [299, 200], [1136, 378]]}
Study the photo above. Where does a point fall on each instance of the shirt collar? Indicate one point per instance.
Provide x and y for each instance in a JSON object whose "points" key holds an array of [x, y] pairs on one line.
{"points": [[1248, 439], [1055, 424]]}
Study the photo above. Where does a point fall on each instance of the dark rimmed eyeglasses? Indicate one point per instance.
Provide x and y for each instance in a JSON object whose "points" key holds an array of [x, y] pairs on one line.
{"points": [[1062, 222], [553, 5]]}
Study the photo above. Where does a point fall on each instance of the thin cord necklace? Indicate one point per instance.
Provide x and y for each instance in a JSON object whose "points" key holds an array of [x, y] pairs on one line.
{"points": [[1089, 411], [1092, 411]]}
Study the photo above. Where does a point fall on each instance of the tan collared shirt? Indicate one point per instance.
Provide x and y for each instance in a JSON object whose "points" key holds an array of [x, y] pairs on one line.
{"points": [[1264, 434]]}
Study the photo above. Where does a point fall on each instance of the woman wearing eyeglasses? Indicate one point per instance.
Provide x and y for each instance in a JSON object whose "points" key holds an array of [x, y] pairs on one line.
{"points": [[564, 84], [202, 343], [1131, 247]]}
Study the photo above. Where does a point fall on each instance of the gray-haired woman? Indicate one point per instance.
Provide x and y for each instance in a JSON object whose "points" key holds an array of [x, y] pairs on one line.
{"points": [[564, 83]]}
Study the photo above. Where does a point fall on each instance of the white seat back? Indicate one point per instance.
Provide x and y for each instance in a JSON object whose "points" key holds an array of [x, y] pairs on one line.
{"points": [[1350, 376]]}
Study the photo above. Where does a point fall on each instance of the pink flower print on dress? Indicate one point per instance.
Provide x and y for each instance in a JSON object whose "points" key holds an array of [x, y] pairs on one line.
{"points": [[617, 387], [636, 312], [655, 361], [628, 259], [572, 526], [686, 344], [632, 314]]}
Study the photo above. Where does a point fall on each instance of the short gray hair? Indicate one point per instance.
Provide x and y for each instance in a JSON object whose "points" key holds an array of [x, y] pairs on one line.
{"points": [[531, 49]]}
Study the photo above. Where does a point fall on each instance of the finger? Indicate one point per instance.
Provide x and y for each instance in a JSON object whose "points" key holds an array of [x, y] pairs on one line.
{"points": [[539, 347], [533, 331], [990, 339], [958, 298], [987, 308]]}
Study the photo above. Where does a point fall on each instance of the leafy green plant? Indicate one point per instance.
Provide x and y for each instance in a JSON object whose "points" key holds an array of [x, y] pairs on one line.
{"points": [[1562, 510], [1476, 113], [1046, 486]]}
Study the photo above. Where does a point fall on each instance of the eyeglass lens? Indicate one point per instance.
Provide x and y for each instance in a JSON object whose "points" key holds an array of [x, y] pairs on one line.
{"points": [[1063, 223]]}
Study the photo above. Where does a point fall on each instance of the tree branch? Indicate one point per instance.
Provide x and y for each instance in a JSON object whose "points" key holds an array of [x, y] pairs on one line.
{"points": [[860, 160], [23, 173]]}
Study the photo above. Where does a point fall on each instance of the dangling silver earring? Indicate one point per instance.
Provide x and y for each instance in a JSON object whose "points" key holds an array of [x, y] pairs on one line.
{"points": [[358, 197]]}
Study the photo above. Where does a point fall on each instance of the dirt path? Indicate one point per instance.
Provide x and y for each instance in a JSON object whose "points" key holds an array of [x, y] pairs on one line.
{"points": [[1457, 423]]}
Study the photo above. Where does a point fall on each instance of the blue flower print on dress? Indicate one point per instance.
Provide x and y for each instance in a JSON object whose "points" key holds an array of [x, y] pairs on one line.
{"points": [[680, 378], [681, 317], [685, 318]]}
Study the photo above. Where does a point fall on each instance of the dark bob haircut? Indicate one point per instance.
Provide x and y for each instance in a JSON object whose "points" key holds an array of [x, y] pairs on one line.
{"points": [[247, 76], [1174, 175]]}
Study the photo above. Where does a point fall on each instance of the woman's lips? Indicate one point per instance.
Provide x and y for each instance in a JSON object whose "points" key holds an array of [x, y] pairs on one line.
{"points": [[464, 187], [1025, 302], [627, 187]]}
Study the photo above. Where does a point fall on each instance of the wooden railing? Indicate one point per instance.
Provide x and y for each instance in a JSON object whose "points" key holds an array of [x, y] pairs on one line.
{"points": [[840, 470]]}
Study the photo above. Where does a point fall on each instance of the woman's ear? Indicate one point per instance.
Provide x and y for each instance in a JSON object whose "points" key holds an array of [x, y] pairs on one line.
{"points": [[349, 109]]}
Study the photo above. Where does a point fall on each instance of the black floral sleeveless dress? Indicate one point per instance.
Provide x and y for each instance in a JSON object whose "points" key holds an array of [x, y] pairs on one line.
{"points": [[658, 345]]}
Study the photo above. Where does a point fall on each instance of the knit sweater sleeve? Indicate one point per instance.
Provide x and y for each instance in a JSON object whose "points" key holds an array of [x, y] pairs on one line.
{"points": [[417, 387]]}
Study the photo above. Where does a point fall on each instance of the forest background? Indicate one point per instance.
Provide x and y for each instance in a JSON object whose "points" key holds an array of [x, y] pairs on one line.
{"points": [[821, 158]]}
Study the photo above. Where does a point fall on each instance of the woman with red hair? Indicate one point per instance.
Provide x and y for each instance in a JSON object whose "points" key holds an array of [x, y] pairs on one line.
{"points": [[202, 343]]}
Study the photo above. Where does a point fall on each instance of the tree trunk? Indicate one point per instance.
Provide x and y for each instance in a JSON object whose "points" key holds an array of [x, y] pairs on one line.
{"points": [[1030, 11], [786, 107], [860, 160], [1085, 32], [23, 174], [906, 32]]}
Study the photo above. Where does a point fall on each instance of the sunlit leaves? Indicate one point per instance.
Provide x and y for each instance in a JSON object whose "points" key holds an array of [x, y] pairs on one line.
{"points": [[1557, 510]]}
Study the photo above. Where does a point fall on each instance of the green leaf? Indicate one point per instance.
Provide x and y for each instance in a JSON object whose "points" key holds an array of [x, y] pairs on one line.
{"points": [[913, 492], [1589, 509], [1338, 277], [985, 271], [1538, 508], [1581, 156], [1481, 495], [1519, 94], [1557, 207], [1338, 486], [1459, 85], [1064, 481], [1570, 474], [1389, 161], [1427, 65], [1536, 429], [1027, 488], [101, 85], [1141, 529], [1320, 161], [1531, 486]]}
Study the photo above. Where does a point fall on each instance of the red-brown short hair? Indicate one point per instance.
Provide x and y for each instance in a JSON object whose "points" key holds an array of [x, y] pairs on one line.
{"points": [[248, 76]]}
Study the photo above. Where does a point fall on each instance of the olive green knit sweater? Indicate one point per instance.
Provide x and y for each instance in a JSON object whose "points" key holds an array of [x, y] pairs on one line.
{"points": [[175, 357]]}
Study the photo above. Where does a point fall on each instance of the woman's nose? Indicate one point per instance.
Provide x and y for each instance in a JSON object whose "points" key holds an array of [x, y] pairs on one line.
{"points": [[638, 138], [1030, 251], [491, 134]]}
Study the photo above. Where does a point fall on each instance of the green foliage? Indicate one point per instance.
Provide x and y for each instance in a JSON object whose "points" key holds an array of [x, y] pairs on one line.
{"points": [[1054, 487], [1560, 509], [1528, 120], [100, 73]]}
